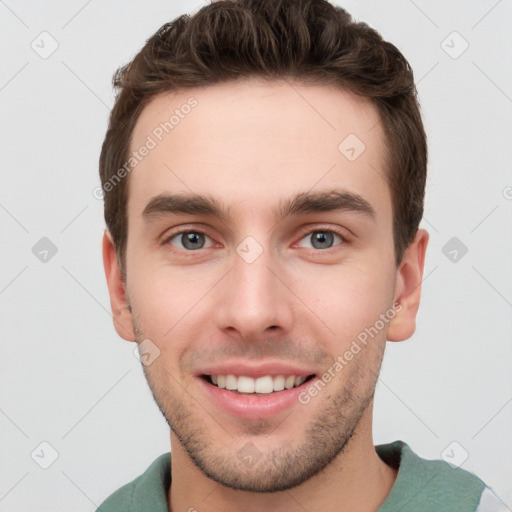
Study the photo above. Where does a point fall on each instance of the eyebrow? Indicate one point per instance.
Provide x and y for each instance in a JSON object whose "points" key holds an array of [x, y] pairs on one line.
{"points": [[306, 202]]}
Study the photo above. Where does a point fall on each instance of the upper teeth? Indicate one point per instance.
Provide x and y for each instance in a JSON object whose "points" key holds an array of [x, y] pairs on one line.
{"points": [[266, 384]]}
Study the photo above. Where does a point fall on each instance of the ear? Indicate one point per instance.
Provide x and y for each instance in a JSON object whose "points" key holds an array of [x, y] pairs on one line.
{"points": [[121, 313], [408, 288]]}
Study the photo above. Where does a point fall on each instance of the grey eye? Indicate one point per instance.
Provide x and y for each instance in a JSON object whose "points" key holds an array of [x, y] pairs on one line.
{"points": [[190, 240], [322, 239]]}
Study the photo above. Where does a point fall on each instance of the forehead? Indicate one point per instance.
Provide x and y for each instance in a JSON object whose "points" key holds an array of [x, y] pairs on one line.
{"points": [[251, 143]]}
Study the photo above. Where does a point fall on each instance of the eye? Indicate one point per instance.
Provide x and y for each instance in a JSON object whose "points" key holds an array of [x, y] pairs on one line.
{"points": [[322, 239], [188, 240]]}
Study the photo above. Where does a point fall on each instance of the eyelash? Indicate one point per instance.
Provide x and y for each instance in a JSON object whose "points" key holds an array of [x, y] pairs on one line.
{"points": [[319, 229]]}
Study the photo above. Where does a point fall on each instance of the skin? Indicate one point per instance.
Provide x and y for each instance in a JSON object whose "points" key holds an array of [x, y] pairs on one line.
{"points": [[252, 145]]}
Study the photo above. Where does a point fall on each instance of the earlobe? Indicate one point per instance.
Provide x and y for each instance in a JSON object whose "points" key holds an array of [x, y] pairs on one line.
{"points": [[121, 313], [408, 288]]}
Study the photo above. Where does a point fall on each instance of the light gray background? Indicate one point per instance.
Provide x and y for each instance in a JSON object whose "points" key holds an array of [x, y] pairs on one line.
{"points": [[69, 380]]}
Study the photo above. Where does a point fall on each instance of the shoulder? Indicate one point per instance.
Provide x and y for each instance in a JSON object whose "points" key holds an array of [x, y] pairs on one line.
{"points": [[426, 485], [120, 500], [147, 492]]}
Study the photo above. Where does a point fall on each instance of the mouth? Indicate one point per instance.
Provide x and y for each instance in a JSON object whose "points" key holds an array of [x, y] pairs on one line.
{"points": [[260, 386], [257, 396]]}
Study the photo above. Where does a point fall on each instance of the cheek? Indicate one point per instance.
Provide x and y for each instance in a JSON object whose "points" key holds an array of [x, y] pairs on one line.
{"points": [[347, 299], [167, 303], [157, 305], [163, 295]]}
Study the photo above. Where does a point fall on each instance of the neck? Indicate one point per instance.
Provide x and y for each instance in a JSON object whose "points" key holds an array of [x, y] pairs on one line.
{"points": [[356, 480]]}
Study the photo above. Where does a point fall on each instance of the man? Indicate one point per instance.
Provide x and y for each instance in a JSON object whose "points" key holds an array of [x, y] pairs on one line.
{"points": [[264, 173]]}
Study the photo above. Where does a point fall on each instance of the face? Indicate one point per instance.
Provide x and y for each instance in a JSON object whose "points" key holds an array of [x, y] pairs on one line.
{"points": [[259, 250]]}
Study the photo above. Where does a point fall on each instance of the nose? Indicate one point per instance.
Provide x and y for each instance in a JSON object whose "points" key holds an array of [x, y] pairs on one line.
{"points": [[254, 301]]}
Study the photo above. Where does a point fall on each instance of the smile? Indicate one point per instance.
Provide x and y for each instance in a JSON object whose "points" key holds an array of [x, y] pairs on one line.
{"points": [[264, 385], [260, 396]]}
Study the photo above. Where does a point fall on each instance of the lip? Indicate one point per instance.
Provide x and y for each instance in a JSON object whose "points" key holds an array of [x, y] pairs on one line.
{"points": [[255, 370], [254, 406]]}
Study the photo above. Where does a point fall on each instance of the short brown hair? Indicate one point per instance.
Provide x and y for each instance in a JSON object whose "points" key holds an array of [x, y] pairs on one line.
{"points": [[310, 40]]}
